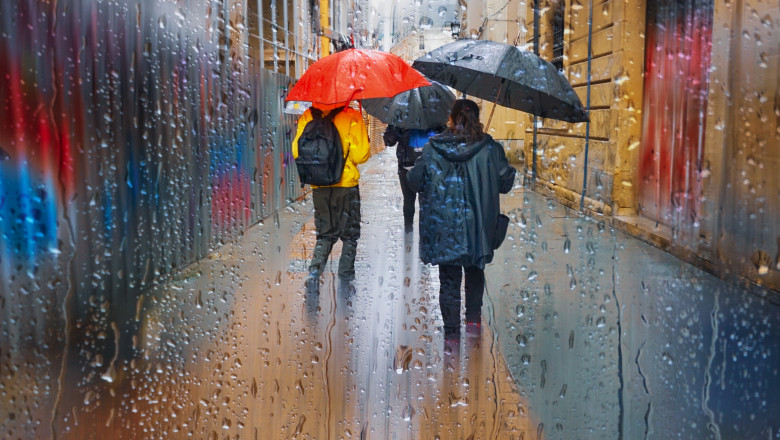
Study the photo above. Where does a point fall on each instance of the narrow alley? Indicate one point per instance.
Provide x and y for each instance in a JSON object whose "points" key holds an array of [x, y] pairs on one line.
{"points": [[155, 237], [589, 334]]}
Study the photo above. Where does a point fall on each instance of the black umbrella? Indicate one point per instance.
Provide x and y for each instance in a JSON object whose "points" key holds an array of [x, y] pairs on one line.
{"points": [[421, 108], [505, 75]]}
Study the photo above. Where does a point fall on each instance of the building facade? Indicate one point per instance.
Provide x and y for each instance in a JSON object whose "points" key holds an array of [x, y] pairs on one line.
{"points": [[682, 144]]}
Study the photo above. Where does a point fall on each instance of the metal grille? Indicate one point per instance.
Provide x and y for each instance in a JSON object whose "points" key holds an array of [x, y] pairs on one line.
{"points": [[375, 131], [557, 60]]}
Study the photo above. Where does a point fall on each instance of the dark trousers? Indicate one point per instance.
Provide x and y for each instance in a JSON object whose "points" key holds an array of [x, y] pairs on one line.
{"points": [[449, 294], [409, 196], [336, 216]]}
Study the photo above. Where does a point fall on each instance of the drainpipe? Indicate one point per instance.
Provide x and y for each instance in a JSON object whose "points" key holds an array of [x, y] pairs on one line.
{"points": [[587, 107], [536, 51], [324, 41]]}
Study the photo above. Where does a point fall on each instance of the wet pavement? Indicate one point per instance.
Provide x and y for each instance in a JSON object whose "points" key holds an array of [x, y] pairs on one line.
{"points": [[588, 334]]}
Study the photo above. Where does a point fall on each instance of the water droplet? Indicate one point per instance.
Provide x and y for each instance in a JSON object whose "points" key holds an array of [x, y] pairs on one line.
{"points": [[403, 357], [299, 427], [408, 412]]}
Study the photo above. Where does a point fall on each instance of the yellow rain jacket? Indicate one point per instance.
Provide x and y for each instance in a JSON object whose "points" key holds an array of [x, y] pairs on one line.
{"points": [[354, 139]]}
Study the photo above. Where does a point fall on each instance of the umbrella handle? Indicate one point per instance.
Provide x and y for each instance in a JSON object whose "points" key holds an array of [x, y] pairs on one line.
{"points": [[490, 118], [351, 96], [500, 89], [487, 127]]}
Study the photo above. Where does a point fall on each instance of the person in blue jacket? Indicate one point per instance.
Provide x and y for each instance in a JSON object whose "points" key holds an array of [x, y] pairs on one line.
{"points": [[410, 144]]}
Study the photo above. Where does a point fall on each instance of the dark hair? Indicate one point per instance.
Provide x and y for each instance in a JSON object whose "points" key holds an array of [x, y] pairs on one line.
{"points": [[464, 120]]}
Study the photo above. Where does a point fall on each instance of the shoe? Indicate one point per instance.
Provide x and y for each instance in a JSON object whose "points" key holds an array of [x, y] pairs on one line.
{"points": [[408, 227], [473, 327], [452, 335], [451, 351], [312, 283], [451, 348], [346, 286]]}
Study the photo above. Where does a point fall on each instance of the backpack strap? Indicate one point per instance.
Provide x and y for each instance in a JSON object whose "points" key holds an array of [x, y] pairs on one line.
{"points": [[317, 113], [334, 112], [331, 116]]}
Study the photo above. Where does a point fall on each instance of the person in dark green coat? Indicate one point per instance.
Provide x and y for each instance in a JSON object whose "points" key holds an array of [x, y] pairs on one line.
{"points": [[459, 177]]}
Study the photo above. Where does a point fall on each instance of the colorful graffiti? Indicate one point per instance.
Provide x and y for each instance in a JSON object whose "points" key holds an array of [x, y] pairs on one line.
{"points": [[135, 138], [131, 142], [679, 40], [36, 161]]}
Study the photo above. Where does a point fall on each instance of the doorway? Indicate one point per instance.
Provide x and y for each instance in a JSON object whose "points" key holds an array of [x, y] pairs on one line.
{"points": [[677, 62]]}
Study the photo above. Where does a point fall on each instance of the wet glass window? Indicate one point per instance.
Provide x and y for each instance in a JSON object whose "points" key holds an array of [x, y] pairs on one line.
{"points": [[550, 219]]}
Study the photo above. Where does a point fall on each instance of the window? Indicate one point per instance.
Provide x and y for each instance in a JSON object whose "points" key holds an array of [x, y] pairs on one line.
{"points": [[255, 37], [557, 28], [274, 40]]}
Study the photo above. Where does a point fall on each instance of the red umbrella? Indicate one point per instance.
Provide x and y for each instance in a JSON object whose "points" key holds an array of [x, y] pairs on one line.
{"points": [[355, 74]]}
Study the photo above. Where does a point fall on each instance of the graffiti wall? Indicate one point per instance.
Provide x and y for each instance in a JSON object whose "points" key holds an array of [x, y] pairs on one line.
{"points": [[135, 138]]}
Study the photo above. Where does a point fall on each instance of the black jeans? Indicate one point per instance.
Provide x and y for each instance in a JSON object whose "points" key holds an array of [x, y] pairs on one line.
{"points": [[336, 216], [449, 294], [409, 196]]}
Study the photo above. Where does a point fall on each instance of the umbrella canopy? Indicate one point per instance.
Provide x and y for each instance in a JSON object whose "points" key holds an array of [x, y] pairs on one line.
{"points": [[421, 108], [355, 74], [506, 75]]}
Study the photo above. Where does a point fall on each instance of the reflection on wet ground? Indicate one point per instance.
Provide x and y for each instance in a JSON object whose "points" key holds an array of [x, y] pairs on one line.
{"points": [[236, 347], [609, 337], [589, 334]]}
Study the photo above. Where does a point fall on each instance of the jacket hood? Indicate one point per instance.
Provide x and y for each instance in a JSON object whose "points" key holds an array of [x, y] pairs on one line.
{"points": [[455, 148]]}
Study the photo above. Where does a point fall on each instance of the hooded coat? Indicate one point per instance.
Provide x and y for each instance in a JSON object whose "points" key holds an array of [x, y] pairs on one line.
{"points": [[459, 185]]}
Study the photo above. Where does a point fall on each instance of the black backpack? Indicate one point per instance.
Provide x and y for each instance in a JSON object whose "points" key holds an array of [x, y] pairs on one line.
{"points": [[320, 153]]}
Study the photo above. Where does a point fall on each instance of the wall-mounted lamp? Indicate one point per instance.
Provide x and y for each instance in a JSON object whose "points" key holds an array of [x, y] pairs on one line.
{"points": [[455, 29]]}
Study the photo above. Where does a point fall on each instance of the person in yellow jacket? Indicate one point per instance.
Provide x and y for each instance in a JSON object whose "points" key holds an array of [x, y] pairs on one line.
{"points": [[337, 207]]}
